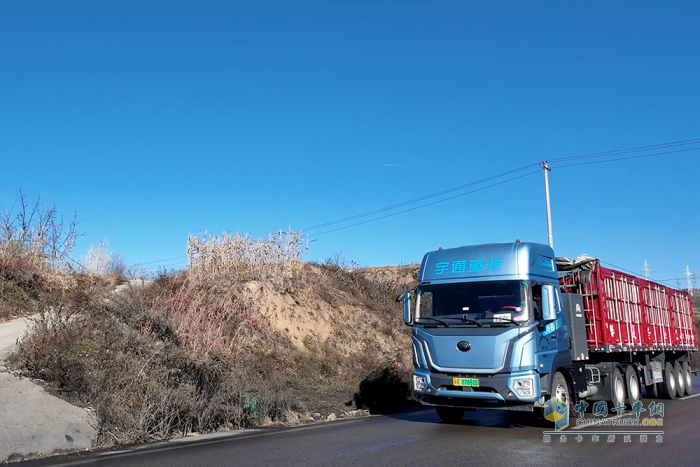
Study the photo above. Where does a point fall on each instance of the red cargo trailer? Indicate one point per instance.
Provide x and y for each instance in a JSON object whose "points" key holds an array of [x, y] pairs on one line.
{"points": [[624, 312], [633, 322]]}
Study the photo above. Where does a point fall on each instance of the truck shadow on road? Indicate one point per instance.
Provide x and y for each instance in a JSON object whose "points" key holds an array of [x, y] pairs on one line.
{"points": [[386, 392], [383, 392], [478, 418]]}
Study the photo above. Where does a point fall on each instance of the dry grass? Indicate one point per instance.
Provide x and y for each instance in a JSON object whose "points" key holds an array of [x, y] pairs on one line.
{"points": [[34, 237], [211, 349], [240, 256], [35, 247]]}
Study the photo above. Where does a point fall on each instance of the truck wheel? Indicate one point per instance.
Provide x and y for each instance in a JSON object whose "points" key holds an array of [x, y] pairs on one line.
{"points": [[680, 379], [634, 392], [688, 379], [668, 385], [618, 388], [449, 414], [560, 390]]}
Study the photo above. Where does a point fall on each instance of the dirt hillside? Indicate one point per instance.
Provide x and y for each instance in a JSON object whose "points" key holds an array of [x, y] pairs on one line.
{"points": [[193, 352]]}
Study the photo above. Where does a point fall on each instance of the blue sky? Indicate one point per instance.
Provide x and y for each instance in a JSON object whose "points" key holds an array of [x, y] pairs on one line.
{"points": [[155, 120]]}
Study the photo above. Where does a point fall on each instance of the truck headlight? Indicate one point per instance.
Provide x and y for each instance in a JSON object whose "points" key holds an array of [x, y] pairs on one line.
{"points": [[523, 387], [419, 383]]}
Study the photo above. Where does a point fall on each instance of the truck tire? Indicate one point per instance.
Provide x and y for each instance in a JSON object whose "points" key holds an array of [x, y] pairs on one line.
{"points": [[634, 391], [560, 390], [619, 395], [668, 385], [450, 414], [688, 379], [680, 379]]}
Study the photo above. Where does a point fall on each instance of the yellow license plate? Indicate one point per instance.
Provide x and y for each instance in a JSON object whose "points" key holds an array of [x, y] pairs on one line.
{"points": [[473, 382]]}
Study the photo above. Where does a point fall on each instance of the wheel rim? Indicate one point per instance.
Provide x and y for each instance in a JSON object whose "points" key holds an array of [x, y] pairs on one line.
{"points": [[688, 379], [634, 389], [672, 382], [619, 390], [681, 382], [562, 393]]}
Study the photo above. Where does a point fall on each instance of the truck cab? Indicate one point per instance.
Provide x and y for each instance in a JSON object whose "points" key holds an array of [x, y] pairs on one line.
{"points": [[488, 327]]}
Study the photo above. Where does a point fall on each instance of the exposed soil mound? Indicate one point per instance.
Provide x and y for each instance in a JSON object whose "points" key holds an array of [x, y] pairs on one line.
{"points": [[205, 352]]}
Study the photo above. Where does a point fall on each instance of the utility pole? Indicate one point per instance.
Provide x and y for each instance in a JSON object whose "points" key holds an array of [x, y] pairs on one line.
{"points": [[689, 277], [546, 169], [646, 270]]}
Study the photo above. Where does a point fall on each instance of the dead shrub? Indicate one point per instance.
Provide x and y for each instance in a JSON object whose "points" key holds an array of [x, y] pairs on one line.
{"points": [[244, 258], [35, 247], [191, 351], [35, 238]]}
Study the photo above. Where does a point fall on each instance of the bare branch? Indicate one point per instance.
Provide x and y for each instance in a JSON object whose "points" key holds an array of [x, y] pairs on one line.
{"points": [[35, 235]]}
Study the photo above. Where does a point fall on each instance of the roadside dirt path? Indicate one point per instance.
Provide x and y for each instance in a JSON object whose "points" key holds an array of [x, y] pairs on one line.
{"points": [[33, 422]]}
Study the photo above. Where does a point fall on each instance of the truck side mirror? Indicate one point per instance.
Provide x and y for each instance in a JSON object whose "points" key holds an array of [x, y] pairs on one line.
{"points": [[549, 306], [407, 318]]}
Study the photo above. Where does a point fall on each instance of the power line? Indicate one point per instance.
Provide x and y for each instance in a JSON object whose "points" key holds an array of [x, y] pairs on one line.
{"points": [[416, 200], [629, 150], [562, 159], [620, 268], [159, 261], [480, 181], [625, 158], [179, 263], [425, 205]]}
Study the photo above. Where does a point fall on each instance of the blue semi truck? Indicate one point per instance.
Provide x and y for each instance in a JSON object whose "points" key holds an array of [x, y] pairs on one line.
{"points": [[492, 329]]}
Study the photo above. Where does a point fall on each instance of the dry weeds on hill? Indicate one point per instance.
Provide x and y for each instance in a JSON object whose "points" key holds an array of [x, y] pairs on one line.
{"points": [[248, 336]]}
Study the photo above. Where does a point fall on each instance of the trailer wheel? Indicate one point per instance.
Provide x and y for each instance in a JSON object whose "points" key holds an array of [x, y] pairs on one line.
{"points": [[634, 393], [680, 379], [688, 379], [668, 385], [450, 414], [618, 388]]}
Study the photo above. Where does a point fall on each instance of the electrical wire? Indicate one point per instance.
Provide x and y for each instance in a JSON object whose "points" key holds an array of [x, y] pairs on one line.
{"points": [[624, 158], [159, 261], [416, 200], [620, 268], [628, 150], [425, 205], [555, 160], [637, 274], [495, 176]]}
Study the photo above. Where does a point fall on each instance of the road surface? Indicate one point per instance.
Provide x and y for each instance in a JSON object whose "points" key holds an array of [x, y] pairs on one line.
{"points": [[418, 438], [32, 421]]}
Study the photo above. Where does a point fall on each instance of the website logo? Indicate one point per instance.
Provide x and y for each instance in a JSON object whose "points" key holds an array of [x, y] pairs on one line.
{"points": [[557, 411]]}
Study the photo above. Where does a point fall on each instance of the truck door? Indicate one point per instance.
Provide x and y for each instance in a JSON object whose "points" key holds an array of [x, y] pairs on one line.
{"points": [[546, 335]]}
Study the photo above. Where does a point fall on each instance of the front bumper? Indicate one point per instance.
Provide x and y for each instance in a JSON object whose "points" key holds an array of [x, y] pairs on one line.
{"points": [[494, 391]]}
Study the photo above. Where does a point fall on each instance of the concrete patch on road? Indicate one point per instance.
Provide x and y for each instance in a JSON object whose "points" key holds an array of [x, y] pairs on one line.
{"points": [[34, 423]]}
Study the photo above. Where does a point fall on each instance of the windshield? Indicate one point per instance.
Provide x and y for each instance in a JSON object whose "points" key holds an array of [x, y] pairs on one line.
{"points": [[497, 301]]}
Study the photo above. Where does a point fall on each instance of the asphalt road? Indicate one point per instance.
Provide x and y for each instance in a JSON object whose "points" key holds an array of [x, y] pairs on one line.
{"points": [[418, 438]]}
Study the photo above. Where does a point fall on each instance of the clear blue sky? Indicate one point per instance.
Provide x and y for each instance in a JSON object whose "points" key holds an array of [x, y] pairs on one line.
{"points": [[158, 119]]}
